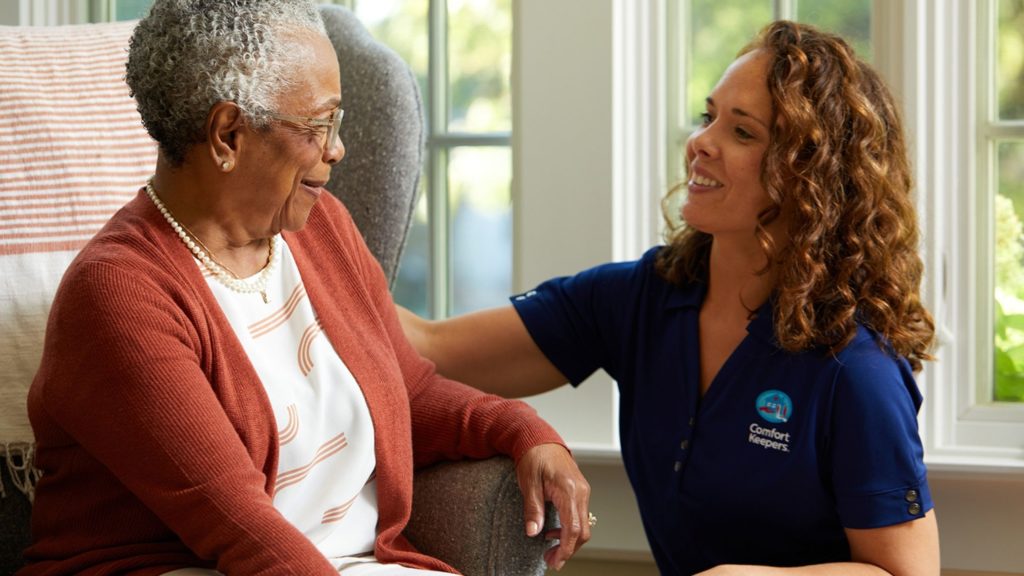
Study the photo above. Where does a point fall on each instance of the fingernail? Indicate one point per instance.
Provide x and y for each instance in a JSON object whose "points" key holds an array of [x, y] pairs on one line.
{"points": [[532, 528], [560, 564]]}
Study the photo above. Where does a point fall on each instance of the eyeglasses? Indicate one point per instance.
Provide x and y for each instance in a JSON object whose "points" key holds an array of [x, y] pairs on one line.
{"points": [[332, 124]]}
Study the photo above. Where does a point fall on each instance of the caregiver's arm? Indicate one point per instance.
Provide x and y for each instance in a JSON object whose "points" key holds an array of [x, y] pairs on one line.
{"points": [[490, 350], [906, 549]]}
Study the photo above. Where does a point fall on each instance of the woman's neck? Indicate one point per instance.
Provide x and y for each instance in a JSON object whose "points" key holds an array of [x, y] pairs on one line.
{"points": [[204, 210], [738, 282]]}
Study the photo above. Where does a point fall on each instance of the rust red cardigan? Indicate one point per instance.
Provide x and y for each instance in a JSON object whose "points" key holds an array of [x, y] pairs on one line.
{"points": [[157, 441]]}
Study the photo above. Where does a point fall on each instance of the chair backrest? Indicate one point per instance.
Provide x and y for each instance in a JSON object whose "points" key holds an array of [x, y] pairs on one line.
{"points": [[73, 150], [383, 133]]}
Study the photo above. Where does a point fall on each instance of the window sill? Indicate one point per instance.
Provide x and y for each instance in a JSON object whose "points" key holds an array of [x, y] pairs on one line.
{"points": [[960, 465], [944, 465]]}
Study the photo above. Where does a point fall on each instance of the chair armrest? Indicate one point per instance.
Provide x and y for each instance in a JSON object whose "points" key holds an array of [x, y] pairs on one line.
{"points": [[470, 514]]}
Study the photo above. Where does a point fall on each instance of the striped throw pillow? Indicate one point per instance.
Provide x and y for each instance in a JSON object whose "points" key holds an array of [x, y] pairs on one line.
{"points": [[72, 151]]}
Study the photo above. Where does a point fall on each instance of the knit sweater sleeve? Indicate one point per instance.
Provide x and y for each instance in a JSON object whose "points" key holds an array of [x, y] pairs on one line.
{"points": [[450, 420], [125, 381]]}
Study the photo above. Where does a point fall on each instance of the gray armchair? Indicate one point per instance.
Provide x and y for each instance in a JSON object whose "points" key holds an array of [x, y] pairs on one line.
{"points": [[467, 513]]}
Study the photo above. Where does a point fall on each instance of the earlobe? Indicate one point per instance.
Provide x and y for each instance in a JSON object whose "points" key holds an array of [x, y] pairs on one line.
{"points": [[222, 126]]}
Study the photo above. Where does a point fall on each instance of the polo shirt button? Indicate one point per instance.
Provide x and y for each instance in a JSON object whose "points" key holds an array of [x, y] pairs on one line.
{"points": [[911, 496], [914, 509], [677, 466], [684, 444]]}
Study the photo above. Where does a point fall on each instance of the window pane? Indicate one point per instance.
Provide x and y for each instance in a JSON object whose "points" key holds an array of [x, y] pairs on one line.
{"points": [[402, 25], [1009, 273], [717, 31], [481, 215], [479, 65], [851, 19], [412, 287], [131, 9], [1010, 60]]}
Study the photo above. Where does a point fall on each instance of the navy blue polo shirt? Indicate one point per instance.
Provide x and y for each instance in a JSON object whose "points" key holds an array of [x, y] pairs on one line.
{"points": [[782, 452]]}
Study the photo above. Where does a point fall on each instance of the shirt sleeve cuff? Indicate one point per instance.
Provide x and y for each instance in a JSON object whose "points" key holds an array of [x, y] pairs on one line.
{"points": [[886, 508]]}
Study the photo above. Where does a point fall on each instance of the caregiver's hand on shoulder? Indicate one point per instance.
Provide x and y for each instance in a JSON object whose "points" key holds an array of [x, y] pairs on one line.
{"points": [[548, 473]]}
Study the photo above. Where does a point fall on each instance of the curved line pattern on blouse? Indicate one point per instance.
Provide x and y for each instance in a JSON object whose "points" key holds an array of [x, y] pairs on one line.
{"points": [[306, 345], [337, 513], [291, 430], [268, 324], [296, 475]]}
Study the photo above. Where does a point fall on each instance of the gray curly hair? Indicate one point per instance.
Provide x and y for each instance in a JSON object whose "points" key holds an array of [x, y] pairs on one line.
{"points": [[187, 55]]}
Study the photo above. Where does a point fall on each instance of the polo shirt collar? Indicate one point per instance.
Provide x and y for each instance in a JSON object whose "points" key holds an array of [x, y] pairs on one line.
{"points": [[692, 296]]}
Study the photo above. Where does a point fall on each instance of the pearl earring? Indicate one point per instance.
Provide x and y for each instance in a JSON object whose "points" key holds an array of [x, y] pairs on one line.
{"points": [[225, 165]]}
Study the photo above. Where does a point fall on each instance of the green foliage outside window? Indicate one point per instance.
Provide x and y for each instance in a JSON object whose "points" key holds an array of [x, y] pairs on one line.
{"points": [[1009, 274], [718, 29], [1009, 303], [1009, 209], [1010, 67], [476, 58]]}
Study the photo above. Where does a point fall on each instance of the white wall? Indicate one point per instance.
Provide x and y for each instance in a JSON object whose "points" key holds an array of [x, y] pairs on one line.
{"points": [[981, 521], [563, 150], [563, 178]]}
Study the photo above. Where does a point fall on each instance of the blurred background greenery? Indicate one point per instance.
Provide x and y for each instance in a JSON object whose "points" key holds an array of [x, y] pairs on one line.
{"points": [[1009, 206], [471, 69], [718, 29]]}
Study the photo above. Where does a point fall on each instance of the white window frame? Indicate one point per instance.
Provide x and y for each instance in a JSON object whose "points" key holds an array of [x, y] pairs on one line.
{"points": [[965, 430], [440, 143]]}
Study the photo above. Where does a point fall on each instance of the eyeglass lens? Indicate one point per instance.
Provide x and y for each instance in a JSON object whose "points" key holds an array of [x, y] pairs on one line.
{"points": [[335, 129]]}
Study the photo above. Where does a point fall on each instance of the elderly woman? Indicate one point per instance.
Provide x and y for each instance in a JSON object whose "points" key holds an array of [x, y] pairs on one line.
{"points": [[765, 355], [225, 384]]}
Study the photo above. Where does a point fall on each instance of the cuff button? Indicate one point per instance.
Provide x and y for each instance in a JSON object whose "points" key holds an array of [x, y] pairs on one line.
{"points": [[911, 496], [914, 509]]}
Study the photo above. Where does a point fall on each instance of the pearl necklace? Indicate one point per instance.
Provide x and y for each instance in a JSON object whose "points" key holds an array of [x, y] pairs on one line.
{"points": [[222, 273]]}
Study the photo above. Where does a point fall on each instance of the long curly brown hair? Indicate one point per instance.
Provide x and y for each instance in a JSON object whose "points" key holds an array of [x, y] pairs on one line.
{"points": [[837, 166]]}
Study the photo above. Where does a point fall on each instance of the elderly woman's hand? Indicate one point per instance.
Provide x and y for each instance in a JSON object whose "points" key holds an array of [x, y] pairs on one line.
{"points": [[548, 473]]}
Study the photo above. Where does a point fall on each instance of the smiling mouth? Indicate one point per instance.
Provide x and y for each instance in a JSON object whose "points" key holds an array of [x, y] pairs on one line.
{"points": [[699, 180]]}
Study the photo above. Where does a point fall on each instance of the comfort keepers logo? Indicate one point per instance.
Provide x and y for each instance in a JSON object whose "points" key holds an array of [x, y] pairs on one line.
{"points": [[775, 407]]}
